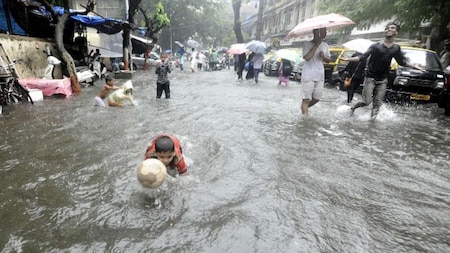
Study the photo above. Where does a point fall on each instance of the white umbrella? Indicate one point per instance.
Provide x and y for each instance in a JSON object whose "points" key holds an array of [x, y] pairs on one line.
{"points": [[359, 45], [329, 21], [193, 44], [288, 54], [256, 46], [179, 43]]}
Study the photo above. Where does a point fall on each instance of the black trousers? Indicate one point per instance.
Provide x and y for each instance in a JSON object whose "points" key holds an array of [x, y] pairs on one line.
{"points": [[356, 82], [160, 87]]}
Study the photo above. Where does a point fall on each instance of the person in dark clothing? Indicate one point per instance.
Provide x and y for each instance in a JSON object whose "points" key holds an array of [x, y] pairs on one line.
{"points": [[376, 76], [355, 70], [162, 82], [250, 74], [241, 64]]}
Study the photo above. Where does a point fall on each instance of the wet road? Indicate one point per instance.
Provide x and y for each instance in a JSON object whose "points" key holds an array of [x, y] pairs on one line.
{"points": [[262, 178]]}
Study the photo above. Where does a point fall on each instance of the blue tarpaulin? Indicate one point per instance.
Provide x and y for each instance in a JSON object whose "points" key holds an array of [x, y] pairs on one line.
{"points": [[103, 25], [4, 25]]}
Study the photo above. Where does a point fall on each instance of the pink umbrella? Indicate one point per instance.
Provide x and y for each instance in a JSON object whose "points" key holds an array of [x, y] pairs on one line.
{"points": [[238, 48], [330, 21]]}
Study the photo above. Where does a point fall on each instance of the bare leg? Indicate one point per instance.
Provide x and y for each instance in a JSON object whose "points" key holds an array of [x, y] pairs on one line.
{"points": [[304, 106], [313, 102]]}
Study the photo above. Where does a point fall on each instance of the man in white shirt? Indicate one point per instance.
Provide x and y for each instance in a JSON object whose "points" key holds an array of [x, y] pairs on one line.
{"points": [[315, 53]]}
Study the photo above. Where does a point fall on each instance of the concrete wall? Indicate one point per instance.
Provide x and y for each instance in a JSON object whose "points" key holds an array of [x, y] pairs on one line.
{"points": [[28, 51]]}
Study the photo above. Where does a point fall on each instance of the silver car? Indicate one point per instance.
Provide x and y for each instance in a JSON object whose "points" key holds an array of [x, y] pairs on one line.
{"points": [[139, 60]]}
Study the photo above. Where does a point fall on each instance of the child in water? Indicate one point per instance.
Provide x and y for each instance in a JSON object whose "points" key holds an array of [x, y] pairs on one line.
{"points": [[168, 150], [163, 83], [109, 86], [118, 97]]}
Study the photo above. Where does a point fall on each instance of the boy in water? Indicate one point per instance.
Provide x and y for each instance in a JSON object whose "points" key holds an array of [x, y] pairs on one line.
{"points": [[163, 83], [168, 150], [118, 97], [109, 86]]}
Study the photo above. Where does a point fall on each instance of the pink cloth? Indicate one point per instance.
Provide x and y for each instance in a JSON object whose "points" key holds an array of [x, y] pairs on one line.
{"points": [[282, 79], [47, 86]]}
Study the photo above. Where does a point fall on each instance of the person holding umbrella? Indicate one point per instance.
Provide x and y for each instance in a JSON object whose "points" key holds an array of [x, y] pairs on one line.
{"points": [[315, 53], [257, 65]]}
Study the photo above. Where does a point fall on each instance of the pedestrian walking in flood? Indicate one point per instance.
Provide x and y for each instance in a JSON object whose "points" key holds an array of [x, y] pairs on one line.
{"points": [[379, 64], [315, 53]]}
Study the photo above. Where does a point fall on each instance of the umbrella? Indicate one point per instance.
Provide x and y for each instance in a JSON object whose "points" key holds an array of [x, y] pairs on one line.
{"points": [[238, 48], [256, 46], [193, 44], [179, 43], [288, 54], [359, 45], [330, 21]]}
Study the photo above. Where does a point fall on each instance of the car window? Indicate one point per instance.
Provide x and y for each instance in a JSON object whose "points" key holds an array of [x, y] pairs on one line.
{"points": [[429, 60], [334, 55], [274, 57], [348, 53]]}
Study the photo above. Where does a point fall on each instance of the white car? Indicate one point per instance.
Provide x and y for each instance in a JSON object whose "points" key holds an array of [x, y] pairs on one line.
{"points": [[139, 60]]}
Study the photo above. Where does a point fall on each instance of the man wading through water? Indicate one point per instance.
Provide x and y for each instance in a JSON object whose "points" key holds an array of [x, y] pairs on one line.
{"points": [[376, 77]]}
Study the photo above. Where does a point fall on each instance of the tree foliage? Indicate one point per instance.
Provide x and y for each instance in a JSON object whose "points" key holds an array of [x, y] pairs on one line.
{"points": [[205, 21], [411, 13]]}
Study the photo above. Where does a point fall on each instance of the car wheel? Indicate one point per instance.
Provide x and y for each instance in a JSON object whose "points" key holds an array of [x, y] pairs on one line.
{"points": [[447, 109]]}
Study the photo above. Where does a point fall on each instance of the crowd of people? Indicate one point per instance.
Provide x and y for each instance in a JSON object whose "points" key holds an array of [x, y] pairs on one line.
{"points": [[370, 68], [376, 60]]}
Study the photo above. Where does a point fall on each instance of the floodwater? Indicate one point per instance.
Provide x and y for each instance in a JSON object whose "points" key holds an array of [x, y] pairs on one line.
{"points": [[261, 177]]}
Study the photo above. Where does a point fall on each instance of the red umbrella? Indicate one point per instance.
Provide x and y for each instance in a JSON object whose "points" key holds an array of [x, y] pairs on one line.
{"points": [[238, 48], [329, 21]]}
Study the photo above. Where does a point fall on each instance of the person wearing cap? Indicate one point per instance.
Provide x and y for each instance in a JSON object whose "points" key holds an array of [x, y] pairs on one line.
{"points": [[118, 97], [106, 89], [167, 149]]}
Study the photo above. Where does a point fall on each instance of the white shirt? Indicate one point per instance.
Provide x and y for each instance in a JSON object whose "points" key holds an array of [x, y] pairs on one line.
{"points": [[313, 70]]}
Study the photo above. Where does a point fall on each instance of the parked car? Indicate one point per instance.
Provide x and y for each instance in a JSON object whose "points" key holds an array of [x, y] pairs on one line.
{"points": [[271, 66], [139, 60], [336, 66], [409, 84], [296, 74], [444, 96]]}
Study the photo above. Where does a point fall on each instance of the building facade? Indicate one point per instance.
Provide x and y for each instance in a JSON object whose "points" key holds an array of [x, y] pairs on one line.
{"points": [[278, 18], [281, 16]]}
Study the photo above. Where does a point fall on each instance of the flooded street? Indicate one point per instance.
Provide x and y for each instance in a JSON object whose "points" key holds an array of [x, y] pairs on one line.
{"points": [[261, 177]]}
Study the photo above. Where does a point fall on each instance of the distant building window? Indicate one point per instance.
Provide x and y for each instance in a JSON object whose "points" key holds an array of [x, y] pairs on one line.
{"points": [[287, 18]]}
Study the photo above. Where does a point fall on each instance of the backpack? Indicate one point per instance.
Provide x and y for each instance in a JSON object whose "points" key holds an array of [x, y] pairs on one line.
{"points": [[287, 68]]}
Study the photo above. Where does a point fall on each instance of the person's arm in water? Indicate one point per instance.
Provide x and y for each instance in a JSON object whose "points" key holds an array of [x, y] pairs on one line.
{"points": [[182, 167]]}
